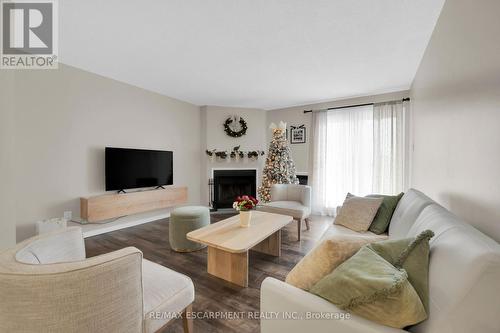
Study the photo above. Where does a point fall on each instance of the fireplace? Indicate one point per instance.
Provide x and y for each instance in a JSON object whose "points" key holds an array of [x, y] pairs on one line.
{"points": [[228, 184]]}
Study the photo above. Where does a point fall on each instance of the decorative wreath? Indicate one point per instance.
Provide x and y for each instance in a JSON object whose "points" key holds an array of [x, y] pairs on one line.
{"points": [[235, 134]]}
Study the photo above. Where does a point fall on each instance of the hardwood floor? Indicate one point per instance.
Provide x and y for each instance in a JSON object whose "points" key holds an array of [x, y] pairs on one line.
{"points": [[213, 294]]}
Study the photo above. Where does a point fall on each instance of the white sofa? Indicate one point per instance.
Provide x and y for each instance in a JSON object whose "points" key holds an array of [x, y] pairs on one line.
{"points": [[464, 280], [47, 285]]}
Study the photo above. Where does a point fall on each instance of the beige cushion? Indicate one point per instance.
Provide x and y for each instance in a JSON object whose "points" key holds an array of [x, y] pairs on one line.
{"points": [[357, 213], [324, 258], [166, 292], [291, 208]]}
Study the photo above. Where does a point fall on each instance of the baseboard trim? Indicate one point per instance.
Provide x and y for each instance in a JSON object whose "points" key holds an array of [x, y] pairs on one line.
{"points": [[90, 230]]}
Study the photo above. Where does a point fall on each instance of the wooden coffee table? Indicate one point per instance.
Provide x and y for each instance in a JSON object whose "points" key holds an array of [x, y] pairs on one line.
{"points": [[228, 243]]}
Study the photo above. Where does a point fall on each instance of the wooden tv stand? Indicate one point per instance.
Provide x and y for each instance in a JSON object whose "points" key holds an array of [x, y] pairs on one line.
{"points": [[109, 206]]}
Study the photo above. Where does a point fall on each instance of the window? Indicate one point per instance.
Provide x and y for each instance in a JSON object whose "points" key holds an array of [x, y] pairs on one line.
{"points": [[358, 150]]}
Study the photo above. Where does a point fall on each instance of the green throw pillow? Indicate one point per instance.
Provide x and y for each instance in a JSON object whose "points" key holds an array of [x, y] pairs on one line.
{"points": [[371, 287], [411, 254], [384, 214]]}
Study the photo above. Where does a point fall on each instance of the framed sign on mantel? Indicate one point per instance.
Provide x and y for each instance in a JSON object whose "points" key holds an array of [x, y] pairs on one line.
{"points": [[298, 134]]}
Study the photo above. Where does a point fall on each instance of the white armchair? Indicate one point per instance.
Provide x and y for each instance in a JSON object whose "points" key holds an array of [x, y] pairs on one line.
{"points": [[290, 199], [46, 284]]}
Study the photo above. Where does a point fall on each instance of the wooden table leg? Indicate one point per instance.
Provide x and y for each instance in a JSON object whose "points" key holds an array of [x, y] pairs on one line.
{"points": [[232, 267], [271, 245], [187, 320]]}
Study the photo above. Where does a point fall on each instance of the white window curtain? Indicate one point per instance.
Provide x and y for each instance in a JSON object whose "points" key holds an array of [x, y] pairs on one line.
{"points": [[388, 147], [358, 150]]}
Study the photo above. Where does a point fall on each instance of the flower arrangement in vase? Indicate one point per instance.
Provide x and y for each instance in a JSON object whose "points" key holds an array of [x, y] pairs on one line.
{"points": [[245, 204]]}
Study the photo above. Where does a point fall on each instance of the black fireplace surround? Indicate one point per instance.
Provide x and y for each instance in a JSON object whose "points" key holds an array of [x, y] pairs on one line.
{"points": [[228, 184]]}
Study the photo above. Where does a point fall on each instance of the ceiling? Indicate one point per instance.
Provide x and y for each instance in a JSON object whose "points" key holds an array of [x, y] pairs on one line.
{"points": [[250, 53]]}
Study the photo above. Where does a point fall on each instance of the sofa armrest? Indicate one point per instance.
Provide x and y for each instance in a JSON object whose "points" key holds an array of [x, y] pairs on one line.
{"points": [[63, 245], [292, 310]]}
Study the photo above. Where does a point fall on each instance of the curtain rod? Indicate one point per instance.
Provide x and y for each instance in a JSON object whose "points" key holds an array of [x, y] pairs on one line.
{"points": [[407, 99]]}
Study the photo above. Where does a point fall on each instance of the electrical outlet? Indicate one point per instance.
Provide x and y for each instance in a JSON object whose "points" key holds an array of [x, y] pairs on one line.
{"points": [[68, 215]]}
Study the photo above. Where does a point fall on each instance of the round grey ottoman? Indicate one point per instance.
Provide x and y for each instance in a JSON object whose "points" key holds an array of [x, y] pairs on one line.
{"points": [[184, 220]]}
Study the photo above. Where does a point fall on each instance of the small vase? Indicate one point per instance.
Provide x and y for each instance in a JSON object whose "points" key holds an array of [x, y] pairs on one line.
{"points": [[245, 216]]}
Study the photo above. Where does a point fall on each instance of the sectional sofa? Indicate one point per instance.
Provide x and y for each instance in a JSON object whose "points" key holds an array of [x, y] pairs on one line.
{"points": [[464, 280]]}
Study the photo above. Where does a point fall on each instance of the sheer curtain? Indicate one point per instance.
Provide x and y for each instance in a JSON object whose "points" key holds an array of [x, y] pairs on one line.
{"points": [[389, 147], [358, 150], [343, 154]]}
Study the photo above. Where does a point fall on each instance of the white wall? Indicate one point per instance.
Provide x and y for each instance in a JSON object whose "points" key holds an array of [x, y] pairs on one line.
{"points": [[213, 118], [295, 116], [456, 114], [7, 211], [63, 120]]}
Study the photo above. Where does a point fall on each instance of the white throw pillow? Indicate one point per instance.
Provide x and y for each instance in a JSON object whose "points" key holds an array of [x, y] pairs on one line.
{"points": [[357, 213]]}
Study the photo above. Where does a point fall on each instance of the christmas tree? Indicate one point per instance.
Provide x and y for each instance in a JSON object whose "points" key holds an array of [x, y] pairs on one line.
{"points": [[279, 168]]}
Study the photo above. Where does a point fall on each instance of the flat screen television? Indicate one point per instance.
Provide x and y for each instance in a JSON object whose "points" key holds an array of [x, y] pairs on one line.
{"points": [[133, 168]]}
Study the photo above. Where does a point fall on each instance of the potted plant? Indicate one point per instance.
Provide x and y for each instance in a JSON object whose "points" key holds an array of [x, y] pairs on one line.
{"points": [[245, 204]]}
